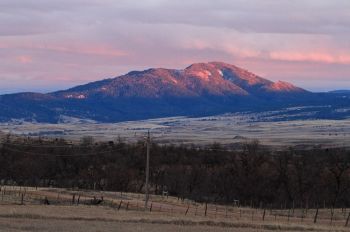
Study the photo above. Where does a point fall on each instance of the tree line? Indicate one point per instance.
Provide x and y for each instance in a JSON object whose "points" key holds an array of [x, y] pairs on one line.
{"points": [[252, 175]]}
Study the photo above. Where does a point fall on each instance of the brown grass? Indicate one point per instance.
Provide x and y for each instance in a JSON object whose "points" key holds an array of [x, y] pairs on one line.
{"points": [[226, 129], [84, 218], [168, 214]]}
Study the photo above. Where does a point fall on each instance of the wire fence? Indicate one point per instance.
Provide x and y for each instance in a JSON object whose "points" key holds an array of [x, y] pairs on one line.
{"points": [[172, 206]]}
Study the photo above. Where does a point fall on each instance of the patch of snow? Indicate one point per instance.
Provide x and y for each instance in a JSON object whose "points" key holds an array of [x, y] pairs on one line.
{"points": [[220, 72], [342, 110], [203, 74], [81, 96]]}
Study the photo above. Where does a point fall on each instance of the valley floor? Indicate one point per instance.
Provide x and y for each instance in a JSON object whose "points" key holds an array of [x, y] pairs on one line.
{"points": [[226, 129]]}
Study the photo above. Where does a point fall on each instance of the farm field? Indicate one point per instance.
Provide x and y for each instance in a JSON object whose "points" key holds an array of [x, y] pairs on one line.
{"points": [[24, 209], [226, 129]]}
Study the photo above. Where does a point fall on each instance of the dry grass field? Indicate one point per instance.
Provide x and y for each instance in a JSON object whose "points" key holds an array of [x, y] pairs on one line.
{"points": [[23, 209], [52, 209], [226, 129]]}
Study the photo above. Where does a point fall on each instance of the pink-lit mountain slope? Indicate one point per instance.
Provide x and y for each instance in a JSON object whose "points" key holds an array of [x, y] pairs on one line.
{"points": [[198, 90], [214, 78]]}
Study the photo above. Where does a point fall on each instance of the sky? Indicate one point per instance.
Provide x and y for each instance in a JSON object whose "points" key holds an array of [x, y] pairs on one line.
{"points": [[47, 45]]}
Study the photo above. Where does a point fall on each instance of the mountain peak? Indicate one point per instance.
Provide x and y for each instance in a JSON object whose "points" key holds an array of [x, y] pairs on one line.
{"points": [[228, 72], [199, 89], [198, 79]]}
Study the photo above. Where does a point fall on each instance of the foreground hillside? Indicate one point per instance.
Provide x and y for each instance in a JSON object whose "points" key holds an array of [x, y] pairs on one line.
{"points": [[125, 212], [198, 90], [88, 219]]}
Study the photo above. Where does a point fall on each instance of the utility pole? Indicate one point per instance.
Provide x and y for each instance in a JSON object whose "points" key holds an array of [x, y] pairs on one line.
{"points": [[148, 143]]}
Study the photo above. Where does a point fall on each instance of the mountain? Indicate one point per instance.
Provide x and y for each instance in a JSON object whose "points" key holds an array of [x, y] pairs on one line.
{"points": [[198, 90], [215, 79], [342, 91]]}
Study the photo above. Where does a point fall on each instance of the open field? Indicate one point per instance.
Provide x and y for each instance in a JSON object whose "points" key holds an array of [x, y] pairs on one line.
{"points": [[226, 129], [23, 209]]}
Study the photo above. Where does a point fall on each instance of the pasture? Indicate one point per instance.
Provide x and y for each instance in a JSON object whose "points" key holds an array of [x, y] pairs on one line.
{"points": [[229, 130], [53, 209]]}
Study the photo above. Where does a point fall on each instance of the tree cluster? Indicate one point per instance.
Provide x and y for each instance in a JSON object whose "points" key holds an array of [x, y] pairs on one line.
{"points": [[252, 175]]}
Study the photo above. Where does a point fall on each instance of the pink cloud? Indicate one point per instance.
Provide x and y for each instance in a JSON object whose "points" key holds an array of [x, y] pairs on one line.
{"points": [[310, 57], [93, 48], [232, 48], [90, 49], [24, 59]]}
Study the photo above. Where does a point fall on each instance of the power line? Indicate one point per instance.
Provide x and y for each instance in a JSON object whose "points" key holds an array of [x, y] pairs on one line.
{"points": [[199, 149], [82, 146], [42, 146], [51, 146], [96, 146], [62, 155], [70, 146]]}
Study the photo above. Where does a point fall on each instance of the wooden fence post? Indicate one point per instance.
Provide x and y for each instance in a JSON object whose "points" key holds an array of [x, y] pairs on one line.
{"points": [[206, 208], [73, 199], [22, 196], [120, 205], [188, 208], [288, 215], [307, 208], [316, 214], [332, 214], [264, 214], [347, 220], [302, 214]]}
